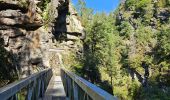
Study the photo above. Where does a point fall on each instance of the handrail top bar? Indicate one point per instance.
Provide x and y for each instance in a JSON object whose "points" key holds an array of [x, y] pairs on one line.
{"points": [[92, 90], [11, 89]]}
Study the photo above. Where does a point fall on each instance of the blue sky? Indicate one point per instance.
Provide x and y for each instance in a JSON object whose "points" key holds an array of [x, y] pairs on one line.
{"points": [[101, 5]]}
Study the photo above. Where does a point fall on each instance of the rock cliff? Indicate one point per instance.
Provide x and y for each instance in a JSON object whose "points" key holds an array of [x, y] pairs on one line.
{"points": [[33, 45]]}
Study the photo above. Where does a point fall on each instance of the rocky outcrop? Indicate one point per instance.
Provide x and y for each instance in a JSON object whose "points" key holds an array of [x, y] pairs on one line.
{"points": [[21, 28], [17, 28], [68, 26], [67, 31]]}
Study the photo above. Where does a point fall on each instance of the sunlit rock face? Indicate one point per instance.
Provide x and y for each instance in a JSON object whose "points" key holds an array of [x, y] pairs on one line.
{"points": [[35, 47]]}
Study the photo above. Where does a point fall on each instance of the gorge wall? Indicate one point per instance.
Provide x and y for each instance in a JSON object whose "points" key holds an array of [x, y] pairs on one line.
{"points": [[34, 33]]}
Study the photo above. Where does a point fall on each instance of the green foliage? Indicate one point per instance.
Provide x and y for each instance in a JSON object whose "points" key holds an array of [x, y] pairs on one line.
{"points": [[130, 4], [131, 55], [43, 4], [85, 13], [165, 40], [163, 3], [143, 3], [137, 4], [48, 14], [145, 36], [125, 29], [23, 3]]}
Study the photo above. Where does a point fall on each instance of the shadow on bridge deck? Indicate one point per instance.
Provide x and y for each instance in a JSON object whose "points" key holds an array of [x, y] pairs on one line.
{"points": [[55, 90]]}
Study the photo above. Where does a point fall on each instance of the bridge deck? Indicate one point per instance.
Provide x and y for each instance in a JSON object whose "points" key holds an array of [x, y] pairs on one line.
{"points": [[55, 89]]}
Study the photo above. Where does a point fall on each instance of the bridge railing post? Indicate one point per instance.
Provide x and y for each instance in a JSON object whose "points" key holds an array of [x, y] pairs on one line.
{"points": [[75, 89], [39, 86]]}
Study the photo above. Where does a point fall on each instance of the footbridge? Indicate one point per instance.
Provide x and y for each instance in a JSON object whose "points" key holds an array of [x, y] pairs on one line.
{"points": [[44, 85]]}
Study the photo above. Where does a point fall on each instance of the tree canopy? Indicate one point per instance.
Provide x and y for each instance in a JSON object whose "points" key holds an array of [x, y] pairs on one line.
{"points": [[129, 49]]}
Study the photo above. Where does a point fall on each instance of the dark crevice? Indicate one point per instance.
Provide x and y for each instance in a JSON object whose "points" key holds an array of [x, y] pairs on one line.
{"points": [[74, 33], [5, 6], [60, 26], [28, 27]]}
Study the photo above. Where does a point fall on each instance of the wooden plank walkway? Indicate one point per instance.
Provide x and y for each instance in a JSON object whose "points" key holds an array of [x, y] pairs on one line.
{"points": [[55, 90]]}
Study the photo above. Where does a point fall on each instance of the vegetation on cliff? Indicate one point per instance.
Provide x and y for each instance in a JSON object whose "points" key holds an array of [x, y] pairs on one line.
{"points": [[128, 49]]}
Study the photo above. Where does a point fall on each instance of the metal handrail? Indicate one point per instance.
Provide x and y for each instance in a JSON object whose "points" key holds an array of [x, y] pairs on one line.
{"points": [[77, 88], [35, 84]]}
